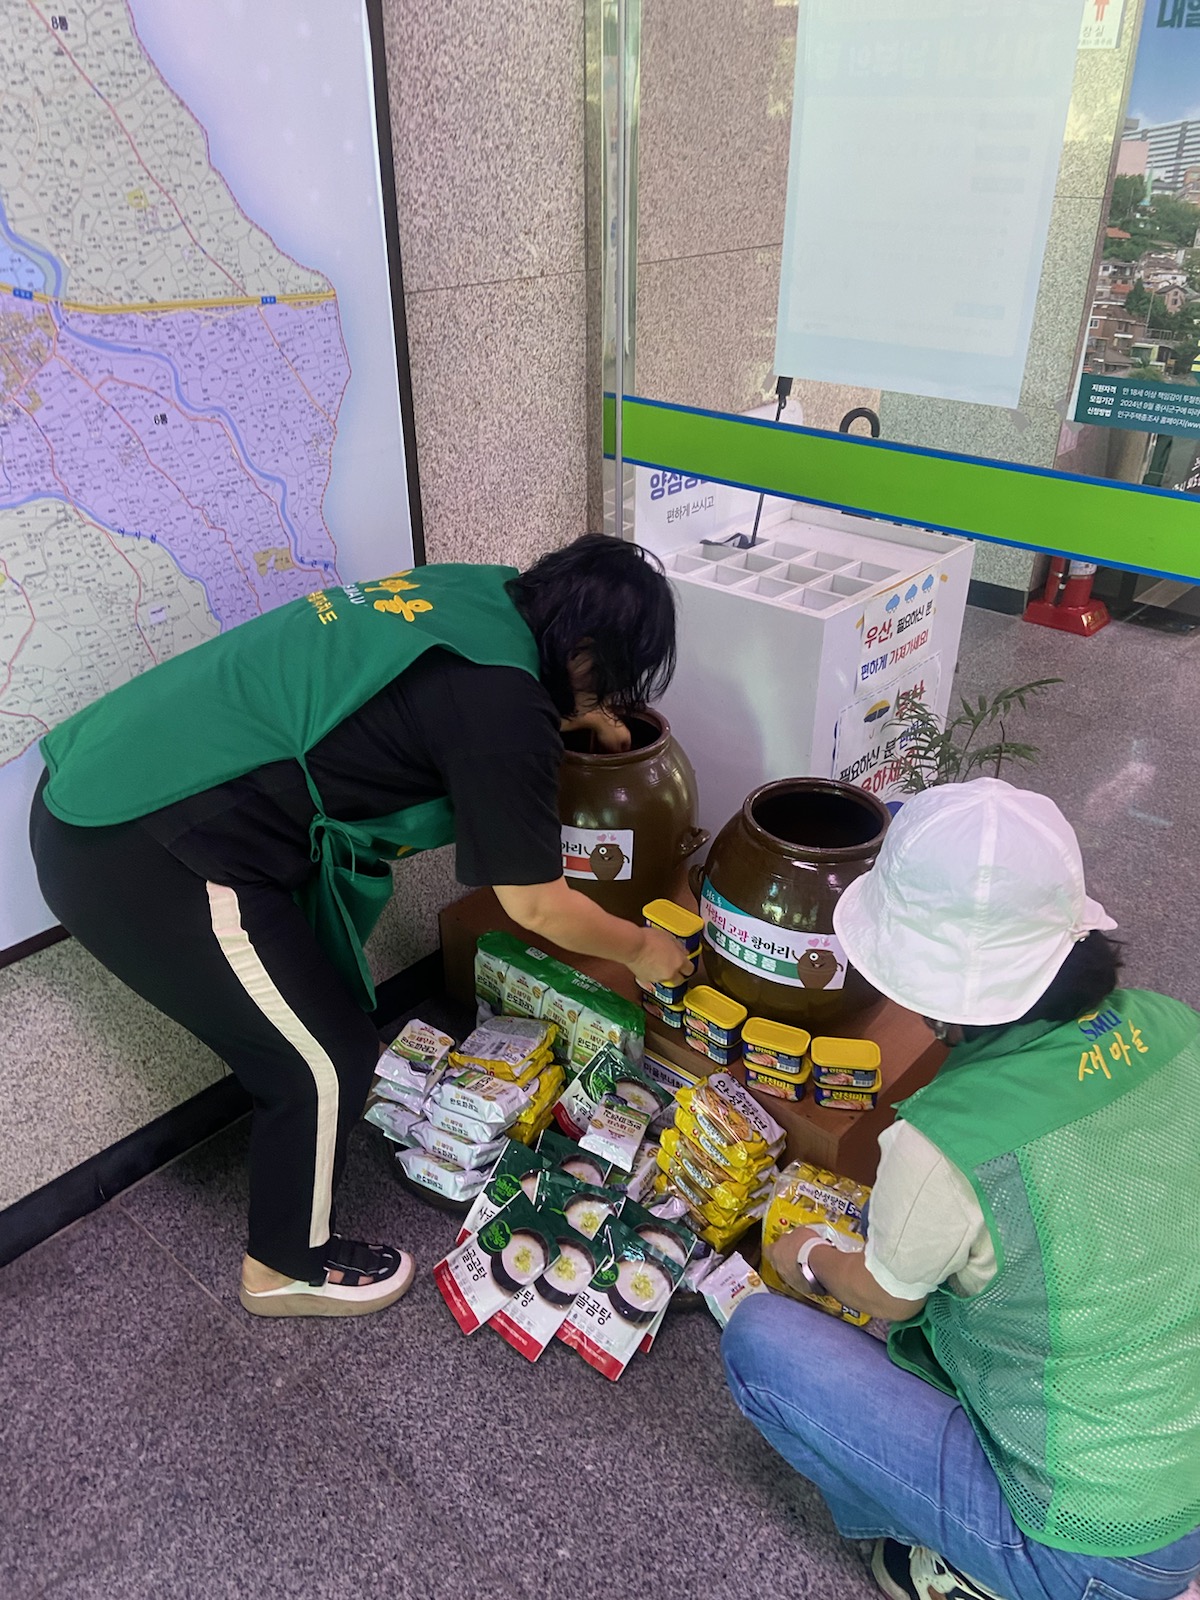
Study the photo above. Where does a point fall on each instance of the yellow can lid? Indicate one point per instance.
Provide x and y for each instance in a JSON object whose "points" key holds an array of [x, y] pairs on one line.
{"points": [[714, 1007], [850, 1053], [765, 1035], [674, 919]]}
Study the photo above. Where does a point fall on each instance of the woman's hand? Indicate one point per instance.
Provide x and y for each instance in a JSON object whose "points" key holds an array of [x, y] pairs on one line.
{"points": [[611, 733], [662, 959]]}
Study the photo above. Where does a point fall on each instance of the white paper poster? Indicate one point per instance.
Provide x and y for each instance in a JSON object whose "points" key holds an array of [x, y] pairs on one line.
{"points": [[869, 742], [1101, 29], [925, 146]]}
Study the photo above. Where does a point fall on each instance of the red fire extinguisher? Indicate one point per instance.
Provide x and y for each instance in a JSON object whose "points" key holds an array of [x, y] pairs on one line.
{"points": [[1066, 602]]}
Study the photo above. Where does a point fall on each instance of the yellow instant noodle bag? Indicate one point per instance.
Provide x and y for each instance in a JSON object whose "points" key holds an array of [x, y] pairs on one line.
{"points": [[515, 1048], [792, 1205], [536, 1118]]}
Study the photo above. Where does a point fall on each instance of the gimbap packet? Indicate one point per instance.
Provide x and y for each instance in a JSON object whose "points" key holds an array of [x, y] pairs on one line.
{"points": [[421, 1044], [484, 1098], [508, 1254], [610, 1318], [471, 1157], [615, 1132], [530, 1320], [567, 1156], [441, 1176], [670, 1237], [515, 1173], [394, 1120], [640, 1183], [462, 1127]]}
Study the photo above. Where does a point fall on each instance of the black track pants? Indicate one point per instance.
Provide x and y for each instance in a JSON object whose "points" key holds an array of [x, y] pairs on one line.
{"points": [[241, 970]]}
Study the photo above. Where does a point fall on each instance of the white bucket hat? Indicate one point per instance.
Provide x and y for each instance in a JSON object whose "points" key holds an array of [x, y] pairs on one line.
{"points": [[972, 906]]}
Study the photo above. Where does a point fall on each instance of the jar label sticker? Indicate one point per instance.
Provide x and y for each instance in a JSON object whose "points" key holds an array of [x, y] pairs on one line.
{"points": [[803, 960], [605, 855]]}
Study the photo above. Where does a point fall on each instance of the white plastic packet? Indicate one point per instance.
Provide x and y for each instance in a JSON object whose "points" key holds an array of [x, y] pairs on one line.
{"points": [[615, 1132], [441, 1176], [394, 1120], [493, 1101], [470, 1157]]}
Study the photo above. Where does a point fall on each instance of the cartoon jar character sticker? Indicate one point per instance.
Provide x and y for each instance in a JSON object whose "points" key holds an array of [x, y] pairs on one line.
{"points": [[818, 968], [603, 855]]}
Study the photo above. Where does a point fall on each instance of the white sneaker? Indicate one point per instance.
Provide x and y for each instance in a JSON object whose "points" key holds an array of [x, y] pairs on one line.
{"points": [[911, 1572]]}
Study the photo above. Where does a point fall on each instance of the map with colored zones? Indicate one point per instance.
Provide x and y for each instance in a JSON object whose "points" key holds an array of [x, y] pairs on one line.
{"points": [[170, 380]]}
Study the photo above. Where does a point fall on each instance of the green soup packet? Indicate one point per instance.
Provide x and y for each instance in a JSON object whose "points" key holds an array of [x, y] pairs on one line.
{"points": [[515, 1173], [567, 1156], [590, 1085], [530, 1320], [585, 1206], [508, 1254], [610, 1318]]}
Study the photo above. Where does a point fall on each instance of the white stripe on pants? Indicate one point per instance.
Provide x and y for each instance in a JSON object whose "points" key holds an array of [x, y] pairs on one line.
{"points": [[248, 968]]}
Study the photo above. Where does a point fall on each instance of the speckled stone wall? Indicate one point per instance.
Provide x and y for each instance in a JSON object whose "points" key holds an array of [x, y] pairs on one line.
{"points": [[487, 125]]}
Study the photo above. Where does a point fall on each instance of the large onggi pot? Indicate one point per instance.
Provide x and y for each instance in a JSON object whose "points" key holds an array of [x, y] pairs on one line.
{"points": [[629, 820], [767, 893]]}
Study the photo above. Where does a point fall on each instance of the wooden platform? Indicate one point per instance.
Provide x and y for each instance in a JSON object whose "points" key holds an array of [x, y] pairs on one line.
{"points": [[846, 1142]]}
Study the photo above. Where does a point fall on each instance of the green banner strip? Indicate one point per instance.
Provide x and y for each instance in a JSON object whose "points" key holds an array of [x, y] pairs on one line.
{"points": [[1117, 524]]}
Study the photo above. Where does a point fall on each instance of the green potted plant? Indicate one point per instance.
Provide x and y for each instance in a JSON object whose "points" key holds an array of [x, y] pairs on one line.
{"points": [[972, 743]]}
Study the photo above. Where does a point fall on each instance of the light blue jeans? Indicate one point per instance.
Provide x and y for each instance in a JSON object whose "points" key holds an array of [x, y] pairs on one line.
{"points": [[894, 1457]]}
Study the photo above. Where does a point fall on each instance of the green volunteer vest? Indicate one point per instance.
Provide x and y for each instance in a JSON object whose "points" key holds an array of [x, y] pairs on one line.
{"points": [[1079, 1364], [270, 690]]}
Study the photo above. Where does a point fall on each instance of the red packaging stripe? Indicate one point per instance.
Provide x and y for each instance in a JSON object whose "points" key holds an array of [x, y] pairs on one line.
{"points": [[454, 1298]]}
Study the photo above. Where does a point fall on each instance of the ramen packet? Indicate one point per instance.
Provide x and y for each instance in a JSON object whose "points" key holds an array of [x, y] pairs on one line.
{"points": [[539, 1113], [506, 1255], [514, 1048], [439, 1175], [615, 1132], [530, 1320], [471, 1157], [396, 1121], [610, 1318], [515, 1173], [566, 1156]]}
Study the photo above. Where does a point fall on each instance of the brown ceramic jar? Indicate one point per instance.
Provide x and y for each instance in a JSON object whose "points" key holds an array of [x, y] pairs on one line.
{"points": [[629, 820], [767, 895]]}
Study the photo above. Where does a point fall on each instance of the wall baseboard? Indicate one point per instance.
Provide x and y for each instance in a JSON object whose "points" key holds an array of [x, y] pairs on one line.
{"points": [[85, 1188], [995, 597]]}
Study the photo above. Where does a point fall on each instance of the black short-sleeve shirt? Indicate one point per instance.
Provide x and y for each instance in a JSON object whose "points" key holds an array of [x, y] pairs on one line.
{"points": [[486, 737]]}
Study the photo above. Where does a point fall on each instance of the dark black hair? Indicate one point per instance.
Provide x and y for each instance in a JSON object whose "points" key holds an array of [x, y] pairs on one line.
{"points": [[611, 600], [1084, 981]]}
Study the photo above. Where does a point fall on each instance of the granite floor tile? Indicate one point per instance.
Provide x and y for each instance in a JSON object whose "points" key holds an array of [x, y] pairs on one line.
{"points": [[196, 1210], [264, 1491], [652, 1486]]}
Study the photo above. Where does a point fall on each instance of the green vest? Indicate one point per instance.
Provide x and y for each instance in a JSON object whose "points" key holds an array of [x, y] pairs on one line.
{"points": [[270, 690], [1079, 1364]]}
